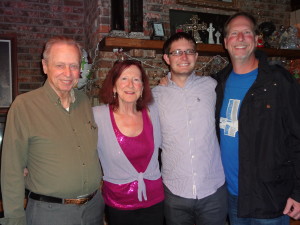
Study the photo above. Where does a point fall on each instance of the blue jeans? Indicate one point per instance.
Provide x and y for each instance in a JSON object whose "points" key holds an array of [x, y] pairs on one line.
{"points": [[211, 210], [234, 220]]}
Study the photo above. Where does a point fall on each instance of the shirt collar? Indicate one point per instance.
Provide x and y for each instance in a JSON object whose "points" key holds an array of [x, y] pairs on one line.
{"points": [[52, 94], [189, 80]]}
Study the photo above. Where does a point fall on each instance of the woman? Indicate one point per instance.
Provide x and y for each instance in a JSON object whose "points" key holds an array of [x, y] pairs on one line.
{"points": [[128, 142]]}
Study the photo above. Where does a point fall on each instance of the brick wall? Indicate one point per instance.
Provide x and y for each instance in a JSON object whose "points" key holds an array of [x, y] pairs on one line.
{"points": [[34, 21], [158, 10], [94, 15]]}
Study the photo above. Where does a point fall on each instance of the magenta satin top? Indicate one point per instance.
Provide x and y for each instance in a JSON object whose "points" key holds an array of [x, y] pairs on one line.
{"points": [[138, 151]]}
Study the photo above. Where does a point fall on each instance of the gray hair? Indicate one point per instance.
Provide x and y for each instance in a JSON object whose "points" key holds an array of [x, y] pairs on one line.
{"points": [[60, 39]]}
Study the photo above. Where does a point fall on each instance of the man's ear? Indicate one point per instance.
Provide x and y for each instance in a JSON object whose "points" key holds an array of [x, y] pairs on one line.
{"points": [[225, 43], [45, 67], [166, 58], [256, 39]]}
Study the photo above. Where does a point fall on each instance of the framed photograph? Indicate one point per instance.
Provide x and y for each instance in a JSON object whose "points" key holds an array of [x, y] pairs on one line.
{"points": [[219, 4], [158, 30], [2, 125], [8, 71]]}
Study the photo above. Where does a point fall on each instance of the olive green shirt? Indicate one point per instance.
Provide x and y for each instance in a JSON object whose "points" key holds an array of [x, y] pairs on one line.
{"points": [[58, 147]]}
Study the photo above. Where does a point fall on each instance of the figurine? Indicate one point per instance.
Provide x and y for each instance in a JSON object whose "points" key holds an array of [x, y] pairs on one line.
{"points": [[210, 30], [260, 41], [292, 39], [266, 29], [218, 35]]}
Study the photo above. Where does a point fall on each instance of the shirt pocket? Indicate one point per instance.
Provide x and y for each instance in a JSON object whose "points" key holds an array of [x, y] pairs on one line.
{"points": [[91, 130]]}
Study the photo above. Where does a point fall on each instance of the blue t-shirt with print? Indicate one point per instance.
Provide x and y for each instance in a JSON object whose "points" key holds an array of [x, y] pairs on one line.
{"points": [[236, 88]]}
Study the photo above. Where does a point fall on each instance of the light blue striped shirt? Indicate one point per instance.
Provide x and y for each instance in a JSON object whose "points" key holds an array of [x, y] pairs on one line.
{"points": [[191, 162]]}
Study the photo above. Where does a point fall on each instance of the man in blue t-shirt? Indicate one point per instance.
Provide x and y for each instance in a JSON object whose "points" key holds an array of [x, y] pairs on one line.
{"points": [[257, 112]]}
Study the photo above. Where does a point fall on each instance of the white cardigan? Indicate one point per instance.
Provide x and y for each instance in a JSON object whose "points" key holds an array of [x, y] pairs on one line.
{"points": [[117, 168]]}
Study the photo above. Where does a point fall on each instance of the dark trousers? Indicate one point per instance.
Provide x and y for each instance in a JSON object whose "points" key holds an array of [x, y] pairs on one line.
{"points": [[153, 215], [211, 210], [44, 213]]}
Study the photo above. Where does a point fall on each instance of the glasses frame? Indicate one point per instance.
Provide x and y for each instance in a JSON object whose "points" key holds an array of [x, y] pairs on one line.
{"points": [[181, 52]]}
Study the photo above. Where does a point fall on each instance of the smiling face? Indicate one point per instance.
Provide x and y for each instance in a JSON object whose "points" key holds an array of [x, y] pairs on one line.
{"points": [[181, 65], [62, 67], [241, 39], [129, 86]]}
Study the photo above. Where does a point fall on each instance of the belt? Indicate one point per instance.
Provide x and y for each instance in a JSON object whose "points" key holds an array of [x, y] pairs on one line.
{"points": [[76, 201]]}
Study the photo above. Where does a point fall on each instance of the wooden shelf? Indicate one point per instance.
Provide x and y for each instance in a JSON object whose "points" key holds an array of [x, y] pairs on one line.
{"points": [[109, 43], [287, 53]]}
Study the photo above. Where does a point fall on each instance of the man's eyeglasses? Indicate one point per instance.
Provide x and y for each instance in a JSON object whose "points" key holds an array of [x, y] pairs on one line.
{"points": [[179, 52]]}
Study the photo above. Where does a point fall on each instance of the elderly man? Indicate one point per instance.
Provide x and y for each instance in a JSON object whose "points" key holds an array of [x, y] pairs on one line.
{"points": [[258, 107], [51, 131]]}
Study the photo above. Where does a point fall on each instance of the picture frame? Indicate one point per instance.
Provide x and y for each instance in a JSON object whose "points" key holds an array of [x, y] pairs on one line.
{"points": [[2, 126], [218, 4], [158, 30], [8, 71]]}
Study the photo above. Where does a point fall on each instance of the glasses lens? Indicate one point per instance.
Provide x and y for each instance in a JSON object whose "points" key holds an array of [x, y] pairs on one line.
{"points": [[180, 52], [190, 52], [176, 52]]}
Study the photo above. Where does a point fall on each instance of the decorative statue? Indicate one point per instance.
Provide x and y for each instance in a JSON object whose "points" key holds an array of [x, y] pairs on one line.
{"points": [[292, 39], [267, 29], [218, 35], [195, 27], [210, 30], [260, 41], [85, 70]]}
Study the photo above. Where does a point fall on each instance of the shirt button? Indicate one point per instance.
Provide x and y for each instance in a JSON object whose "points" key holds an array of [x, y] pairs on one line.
{"points": [[193, 156], [83, 164]]}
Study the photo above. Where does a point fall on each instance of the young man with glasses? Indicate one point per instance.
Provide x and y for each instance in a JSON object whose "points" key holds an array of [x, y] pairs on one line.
{"points": [[192, 171]]}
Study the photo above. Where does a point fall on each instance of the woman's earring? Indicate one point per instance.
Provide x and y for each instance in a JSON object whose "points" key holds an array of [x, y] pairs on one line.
{"points": [[115, 95], [141, 97]]}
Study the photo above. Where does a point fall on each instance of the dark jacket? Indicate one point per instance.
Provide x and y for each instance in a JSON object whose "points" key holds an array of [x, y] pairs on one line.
{"points": [[269, 140]]}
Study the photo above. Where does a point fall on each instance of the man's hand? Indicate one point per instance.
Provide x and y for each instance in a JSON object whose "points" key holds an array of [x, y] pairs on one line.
{"points": [[163, 81], [25, 172], [292, 209]]}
